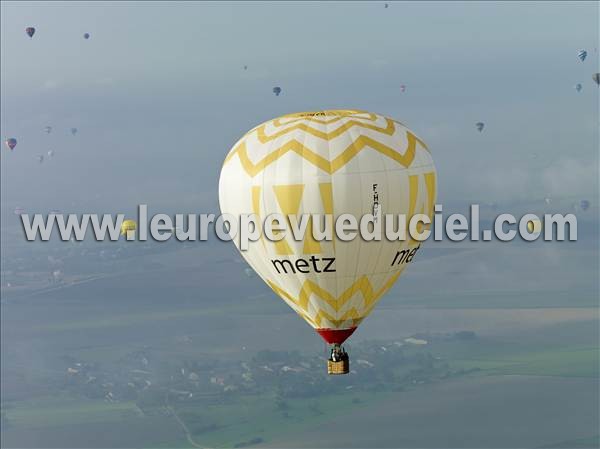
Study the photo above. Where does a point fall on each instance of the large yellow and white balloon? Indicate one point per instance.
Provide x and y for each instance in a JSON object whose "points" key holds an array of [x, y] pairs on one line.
{"points": [[329, 162]]}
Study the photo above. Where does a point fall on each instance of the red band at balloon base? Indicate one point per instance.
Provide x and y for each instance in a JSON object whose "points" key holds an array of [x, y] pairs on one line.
{"points": [[335, 336]]}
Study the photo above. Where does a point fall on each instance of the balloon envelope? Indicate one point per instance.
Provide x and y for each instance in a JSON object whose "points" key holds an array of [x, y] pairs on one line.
{"points": [[534, 226], [128, 225], [584, 204], [73, 131], [479, 126], [329, 163], [277, 90], [596, 78], [86, 36], [582, 54], [11, 143], [30, 31], [578, 87]]}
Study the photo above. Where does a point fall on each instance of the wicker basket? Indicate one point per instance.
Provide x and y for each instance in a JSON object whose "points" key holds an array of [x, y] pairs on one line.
{"points": [[341, 367]]}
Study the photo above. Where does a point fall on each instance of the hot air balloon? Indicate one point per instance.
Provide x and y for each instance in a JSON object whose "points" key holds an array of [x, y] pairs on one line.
{"points": [[73, 131], [30, 31], [40, 158], [245, 67], [277, 90], [596, 78], [584, 204], [11, 143], [402, 88], [19, 211], [582, 54], [86, 35], [50, 153], [329, 162], [479, 126], [578, 87], [57, 275], [534, 227], [48, 129], [386, 5], [128, 226]]}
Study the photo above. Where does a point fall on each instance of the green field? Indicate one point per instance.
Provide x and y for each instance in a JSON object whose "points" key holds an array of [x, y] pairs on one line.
{"points": [[223, 425], [252, 417], [505, 299], [62, 411], [257, 419], [564, 362], [591, 442]]}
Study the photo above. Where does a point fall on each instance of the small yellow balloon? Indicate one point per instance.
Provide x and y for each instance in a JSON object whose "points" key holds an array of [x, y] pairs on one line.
{"points": [[128, 225], [534, 226]]}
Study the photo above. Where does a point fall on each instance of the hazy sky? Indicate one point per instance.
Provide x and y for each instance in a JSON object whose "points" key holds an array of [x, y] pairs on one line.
{"points": [[159, 93]]}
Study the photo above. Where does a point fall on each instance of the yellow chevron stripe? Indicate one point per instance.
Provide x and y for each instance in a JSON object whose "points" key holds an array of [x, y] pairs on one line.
{"points": [[389, 129], [329, 167], [390, 282], [309, 288]]}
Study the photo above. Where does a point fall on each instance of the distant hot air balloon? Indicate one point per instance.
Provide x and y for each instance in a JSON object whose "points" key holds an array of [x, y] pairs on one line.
{"points": [[127, 226], [596, 78], [534, 226], [50, 153], [386, 5], [479, 126], [584, 204], [48, 129], [73, 131], [324, 163], [402, 88], [277, 90], [30, 31], [578, 87], [40, 158], [11, 143], [582, 54], [57, 275], [86, 35], [19, 210], [245, 67]]}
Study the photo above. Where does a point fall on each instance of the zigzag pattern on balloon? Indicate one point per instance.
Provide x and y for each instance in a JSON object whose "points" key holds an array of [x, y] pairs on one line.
{"points": [[361, 143], [361, 285], [262, 136]]}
